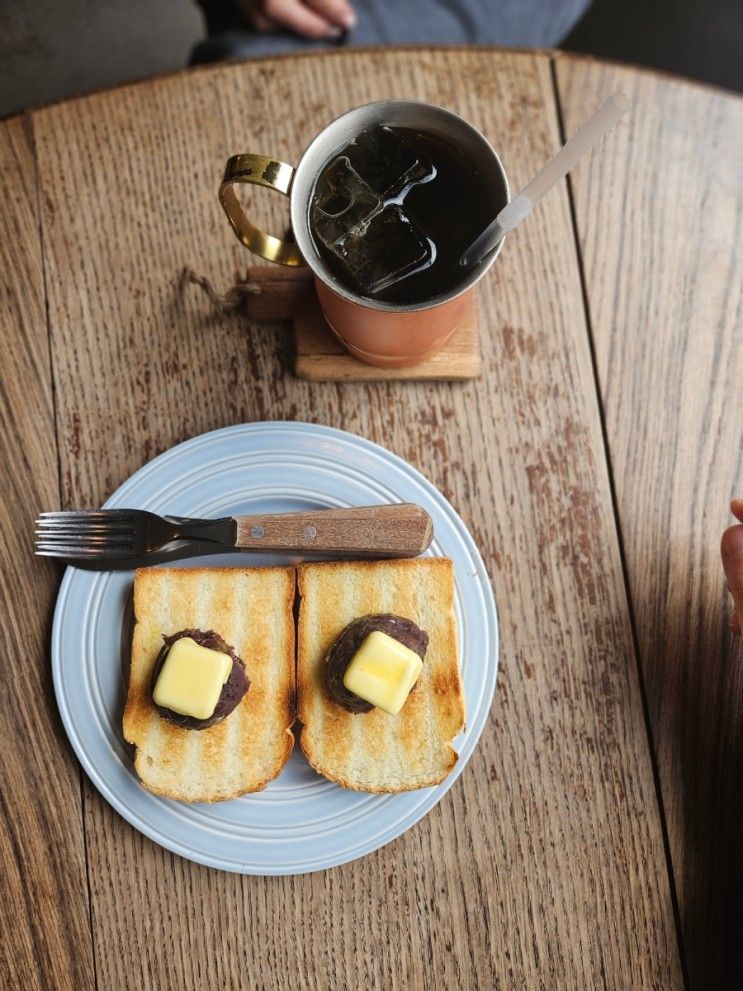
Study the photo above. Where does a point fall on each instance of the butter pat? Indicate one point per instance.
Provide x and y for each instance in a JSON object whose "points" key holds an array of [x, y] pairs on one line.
{"points": [[191, 679], [383, 671]]}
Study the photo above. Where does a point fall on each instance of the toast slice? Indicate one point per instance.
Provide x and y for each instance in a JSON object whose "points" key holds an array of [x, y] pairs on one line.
{"points": [[374, 751], [252, 609]]}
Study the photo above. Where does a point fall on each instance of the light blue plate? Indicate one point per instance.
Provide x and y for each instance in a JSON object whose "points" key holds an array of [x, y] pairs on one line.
{"points": [[301, 822]]}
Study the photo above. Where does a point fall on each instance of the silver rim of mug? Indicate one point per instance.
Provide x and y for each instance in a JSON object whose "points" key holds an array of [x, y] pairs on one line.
{"points": [[339, 133]]}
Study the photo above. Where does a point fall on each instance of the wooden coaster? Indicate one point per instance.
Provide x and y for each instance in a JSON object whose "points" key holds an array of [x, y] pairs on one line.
{"points": [[278, 294], [320, 356]]}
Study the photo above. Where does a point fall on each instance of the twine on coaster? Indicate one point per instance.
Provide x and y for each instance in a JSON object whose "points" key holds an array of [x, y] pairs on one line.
{"points": [[233, 299]]}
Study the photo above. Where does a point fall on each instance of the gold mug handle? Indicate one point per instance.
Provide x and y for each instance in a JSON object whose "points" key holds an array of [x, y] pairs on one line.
{"points": [[260, 171]]}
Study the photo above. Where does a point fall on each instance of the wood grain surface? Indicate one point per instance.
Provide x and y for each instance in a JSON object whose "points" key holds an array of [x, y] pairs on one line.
{"points": [[544, 867], [44, 920], [674, 437], [666, 311]]}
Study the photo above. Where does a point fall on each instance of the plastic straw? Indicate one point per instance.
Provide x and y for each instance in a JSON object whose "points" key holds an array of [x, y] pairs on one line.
{"points": [[590, 134]]}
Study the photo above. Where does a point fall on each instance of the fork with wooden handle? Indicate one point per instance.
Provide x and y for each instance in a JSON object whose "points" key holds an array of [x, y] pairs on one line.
{"points": [[395, 530]]}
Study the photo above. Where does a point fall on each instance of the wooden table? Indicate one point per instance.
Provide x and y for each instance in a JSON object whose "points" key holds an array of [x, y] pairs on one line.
{"points": [[594, 840]]}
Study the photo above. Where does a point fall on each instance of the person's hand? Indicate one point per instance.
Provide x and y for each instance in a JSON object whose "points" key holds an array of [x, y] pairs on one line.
{"points": [[732, 561], [310, 18]]}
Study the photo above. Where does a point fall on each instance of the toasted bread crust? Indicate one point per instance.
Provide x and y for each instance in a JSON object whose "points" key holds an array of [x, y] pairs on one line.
{"points": [[252, 609], [376, 752]]}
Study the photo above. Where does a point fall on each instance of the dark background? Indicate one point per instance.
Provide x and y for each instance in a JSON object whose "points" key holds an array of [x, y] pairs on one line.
{"points": [[50, 49], [702, 39]]}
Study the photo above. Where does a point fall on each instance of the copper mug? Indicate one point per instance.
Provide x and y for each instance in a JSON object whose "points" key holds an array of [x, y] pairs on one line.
{"points": [[379, 333]]}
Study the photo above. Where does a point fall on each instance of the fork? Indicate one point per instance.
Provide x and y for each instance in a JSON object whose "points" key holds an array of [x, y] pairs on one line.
{"points": [[395, 530]]}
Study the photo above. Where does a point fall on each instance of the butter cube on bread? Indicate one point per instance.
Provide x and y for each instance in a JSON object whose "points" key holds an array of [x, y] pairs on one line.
{"points": [[252, 610], [192, 679], [383, 672], [377, 751]]}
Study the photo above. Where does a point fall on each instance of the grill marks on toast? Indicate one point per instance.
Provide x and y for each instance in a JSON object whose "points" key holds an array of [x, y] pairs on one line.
{"points": [[375, 751], [251, 608], [332, 613], [267, 695]]}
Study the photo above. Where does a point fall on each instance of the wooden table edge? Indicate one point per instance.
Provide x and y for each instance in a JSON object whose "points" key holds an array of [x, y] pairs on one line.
{"points": [[550, 54]]}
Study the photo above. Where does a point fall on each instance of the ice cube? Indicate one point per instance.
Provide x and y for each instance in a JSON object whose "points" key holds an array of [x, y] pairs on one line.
{"points": [[342, 202], [375, 243], [388, 162], [387, 248]]}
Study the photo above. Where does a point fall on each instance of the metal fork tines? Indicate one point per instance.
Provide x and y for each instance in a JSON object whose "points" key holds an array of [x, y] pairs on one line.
{"points": [[109, 533], [113, 534]]}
